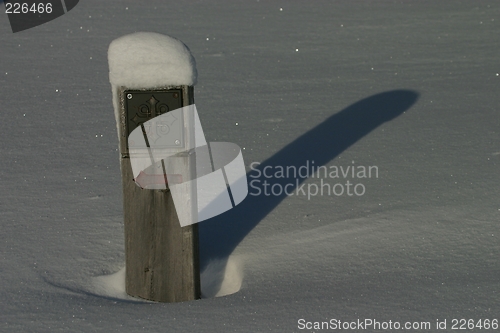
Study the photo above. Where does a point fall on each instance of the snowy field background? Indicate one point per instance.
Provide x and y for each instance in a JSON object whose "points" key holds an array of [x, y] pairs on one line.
{"points": [[422, 244]]}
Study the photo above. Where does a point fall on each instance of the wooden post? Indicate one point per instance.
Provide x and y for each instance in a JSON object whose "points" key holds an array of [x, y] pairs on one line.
{"points": [[151, 75], [162, 258]]}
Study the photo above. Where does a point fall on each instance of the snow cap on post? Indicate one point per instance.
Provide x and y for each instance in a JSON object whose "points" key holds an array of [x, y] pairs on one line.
{"points": [[150, 60]]}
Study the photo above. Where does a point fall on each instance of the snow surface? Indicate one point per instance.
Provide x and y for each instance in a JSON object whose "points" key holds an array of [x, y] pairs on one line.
{"points": [[408, 86]]}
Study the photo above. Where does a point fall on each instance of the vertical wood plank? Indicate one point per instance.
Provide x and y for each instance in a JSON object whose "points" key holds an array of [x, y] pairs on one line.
{"points": [[162, 259]]}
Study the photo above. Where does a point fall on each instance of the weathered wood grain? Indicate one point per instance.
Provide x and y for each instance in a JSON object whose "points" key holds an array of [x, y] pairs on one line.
{"points": [[162, 258]]}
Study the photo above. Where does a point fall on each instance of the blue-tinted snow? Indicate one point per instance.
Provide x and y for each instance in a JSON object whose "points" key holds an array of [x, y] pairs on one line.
{"points": [[421, 244]]}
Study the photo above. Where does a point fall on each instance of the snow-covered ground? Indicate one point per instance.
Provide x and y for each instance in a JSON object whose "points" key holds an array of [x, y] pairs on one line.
{"points": [[410, 87]]}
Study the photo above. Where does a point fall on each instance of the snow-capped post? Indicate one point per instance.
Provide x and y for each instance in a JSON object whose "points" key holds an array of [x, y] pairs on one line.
{"points": [[152, 74]]}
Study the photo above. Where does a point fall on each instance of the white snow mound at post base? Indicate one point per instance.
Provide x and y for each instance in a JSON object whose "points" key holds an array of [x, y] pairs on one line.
{"points": [[150, 60]]}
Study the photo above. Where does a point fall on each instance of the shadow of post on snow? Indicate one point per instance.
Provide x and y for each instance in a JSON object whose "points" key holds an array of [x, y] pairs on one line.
{"points": [[220, 235]]}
